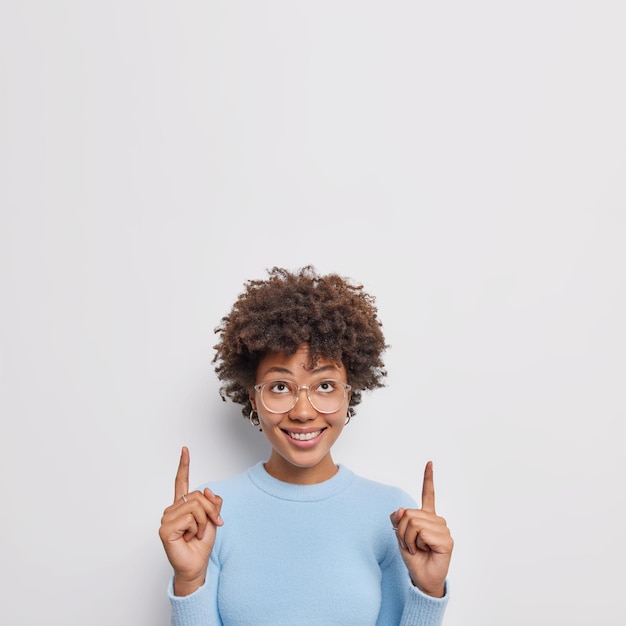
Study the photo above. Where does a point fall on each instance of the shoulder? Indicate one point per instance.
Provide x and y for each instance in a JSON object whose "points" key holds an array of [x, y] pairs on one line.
{"points": [[380, 494], [232, 484]]}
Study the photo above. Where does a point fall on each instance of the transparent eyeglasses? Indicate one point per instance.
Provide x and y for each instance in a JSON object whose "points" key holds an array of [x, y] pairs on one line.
{"points": [[280, 396]]}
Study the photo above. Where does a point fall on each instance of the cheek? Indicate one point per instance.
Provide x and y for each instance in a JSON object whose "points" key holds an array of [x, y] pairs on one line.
{"points": [[337, 420], [269, 419]]}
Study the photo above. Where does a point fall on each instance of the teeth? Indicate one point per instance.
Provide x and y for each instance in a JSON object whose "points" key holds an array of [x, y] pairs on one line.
{"points": [[304, 436]]}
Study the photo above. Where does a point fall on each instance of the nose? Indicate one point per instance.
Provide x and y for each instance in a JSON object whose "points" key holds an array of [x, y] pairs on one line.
{"points": [[303, 410]]}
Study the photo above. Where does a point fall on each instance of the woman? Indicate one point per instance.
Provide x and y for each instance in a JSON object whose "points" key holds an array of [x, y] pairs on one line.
{"points": [[302, 540]]}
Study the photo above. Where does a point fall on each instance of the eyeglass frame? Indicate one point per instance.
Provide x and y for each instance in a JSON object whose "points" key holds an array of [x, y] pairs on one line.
{"points": [[296, 394]]}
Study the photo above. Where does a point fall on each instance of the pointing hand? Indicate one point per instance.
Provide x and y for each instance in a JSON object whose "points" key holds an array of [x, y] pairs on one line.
{"points": [[424, 540], [188, 529]]}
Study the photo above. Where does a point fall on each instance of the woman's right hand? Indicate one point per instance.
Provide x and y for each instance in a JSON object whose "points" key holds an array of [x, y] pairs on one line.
{"points": [[188, 529]]}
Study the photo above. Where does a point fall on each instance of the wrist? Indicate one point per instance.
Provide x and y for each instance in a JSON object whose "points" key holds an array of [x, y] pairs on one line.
{"points": [[435, 591], [184, 586]]}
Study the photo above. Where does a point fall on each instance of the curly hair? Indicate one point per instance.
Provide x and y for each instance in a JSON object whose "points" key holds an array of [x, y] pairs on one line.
{"points": [[333, 315]]}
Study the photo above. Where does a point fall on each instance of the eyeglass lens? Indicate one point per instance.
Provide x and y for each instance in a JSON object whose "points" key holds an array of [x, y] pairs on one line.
{"points": [[281, 396]]}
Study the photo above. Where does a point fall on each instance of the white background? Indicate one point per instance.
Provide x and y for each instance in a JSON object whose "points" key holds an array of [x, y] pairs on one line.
{"points": [[464, 160]]}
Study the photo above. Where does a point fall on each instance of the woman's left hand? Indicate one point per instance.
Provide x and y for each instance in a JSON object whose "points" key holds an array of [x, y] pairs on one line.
{"points": [[424, 540]]}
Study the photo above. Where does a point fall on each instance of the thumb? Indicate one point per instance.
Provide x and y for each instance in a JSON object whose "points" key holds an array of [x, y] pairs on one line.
{"points": [[217, 501], [396, 516]]}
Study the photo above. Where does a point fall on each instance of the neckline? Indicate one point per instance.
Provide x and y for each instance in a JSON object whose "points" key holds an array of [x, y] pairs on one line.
{"points": [[300, 493]]}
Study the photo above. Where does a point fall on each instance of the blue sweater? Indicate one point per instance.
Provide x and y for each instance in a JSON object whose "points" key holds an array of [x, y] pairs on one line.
{"points": [[305, 555]]}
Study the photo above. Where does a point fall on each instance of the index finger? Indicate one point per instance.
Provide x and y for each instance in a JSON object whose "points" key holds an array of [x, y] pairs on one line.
{"points": [[428, 489], [181, 485]]}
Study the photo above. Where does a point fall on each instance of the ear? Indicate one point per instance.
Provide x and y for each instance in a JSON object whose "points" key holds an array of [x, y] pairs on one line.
{"points": [[252, 402]]}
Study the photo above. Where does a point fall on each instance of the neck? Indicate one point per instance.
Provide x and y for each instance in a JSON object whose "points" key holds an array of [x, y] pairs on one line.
{"points": [[282, 470]]}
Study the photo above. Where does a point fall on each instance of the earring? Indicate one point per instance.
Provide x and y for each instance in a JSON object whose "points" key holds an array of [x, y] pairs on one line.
{"points": [[349, 416], [254, 418]]}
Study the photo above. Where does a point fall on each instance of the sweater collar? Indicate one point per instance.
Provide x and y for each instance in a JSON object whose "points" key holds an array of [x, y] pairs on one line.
{"points": [[300, 493]]}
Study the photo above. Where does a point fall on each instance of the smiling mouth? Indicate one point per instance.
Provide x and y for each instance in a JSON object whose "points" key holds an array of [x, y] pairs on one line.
{"points": [[304, 436]]}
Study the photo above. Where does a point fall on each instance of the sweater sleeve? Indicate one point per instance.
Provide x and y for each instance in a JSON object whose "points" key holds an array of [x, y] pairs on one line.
{"points": [[405, 604], [423, 610]]}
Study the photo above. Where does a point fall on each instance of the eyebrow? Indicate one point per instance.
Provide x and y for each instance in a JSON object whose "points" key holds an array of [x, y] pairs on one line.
{"points": [[284, 370]]}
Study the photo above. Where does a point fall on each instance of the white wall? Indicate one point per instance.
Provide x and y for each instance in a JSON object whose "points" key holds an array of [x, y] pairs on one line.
{"points": [[465, 161]]}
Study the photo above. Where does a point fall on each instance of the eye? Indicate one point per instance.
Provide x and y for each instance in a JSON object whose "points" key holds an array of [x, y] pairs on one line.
{"points": [[326, 386], [279, 387]]}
